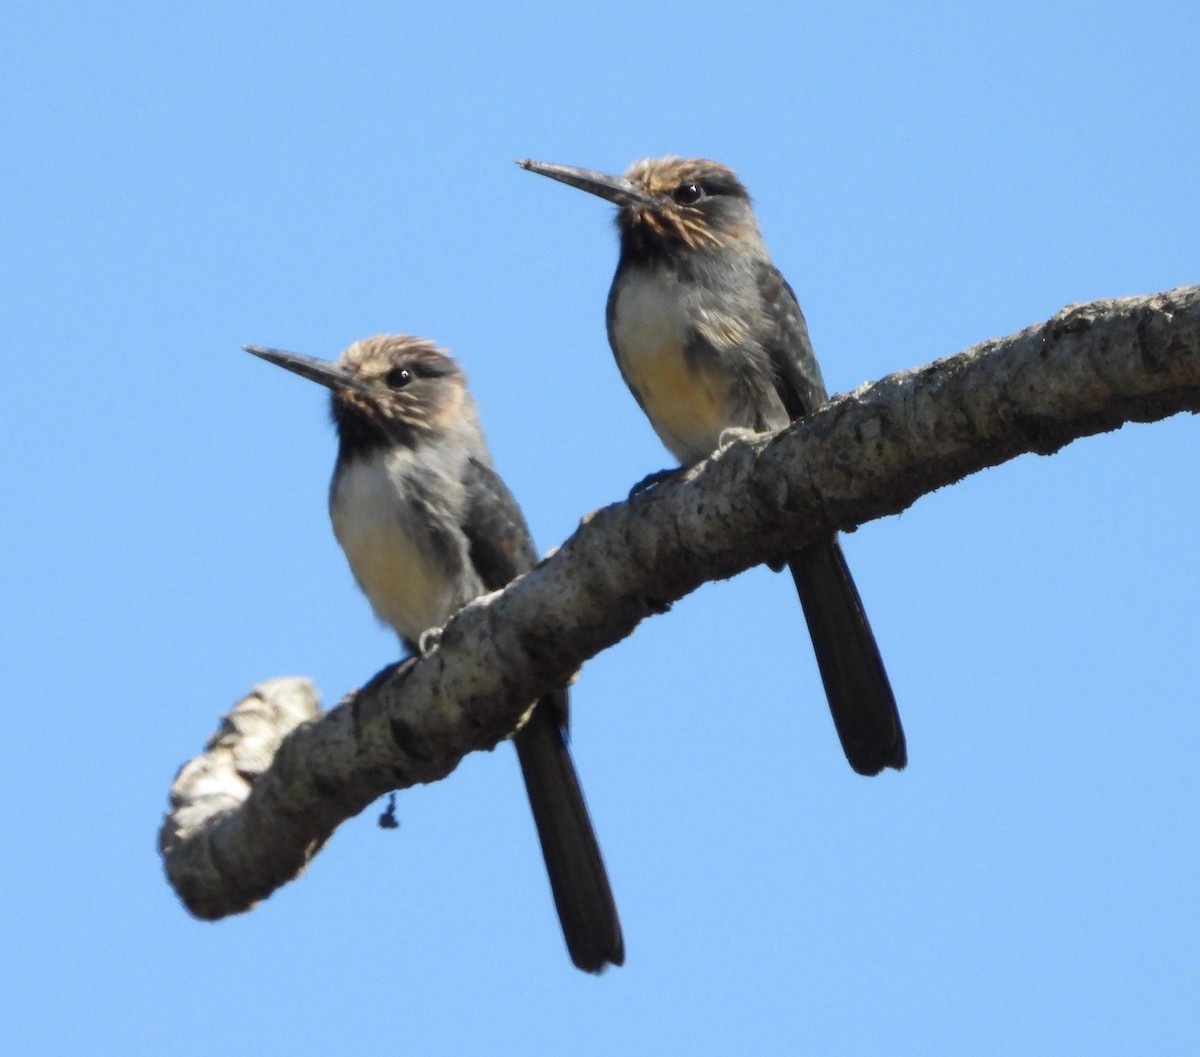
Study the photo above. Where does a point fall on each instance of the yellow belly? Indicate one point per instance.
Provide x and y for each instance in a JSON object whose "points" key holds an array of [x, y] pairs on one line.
{"points": [[687, 404], [405, 582]]}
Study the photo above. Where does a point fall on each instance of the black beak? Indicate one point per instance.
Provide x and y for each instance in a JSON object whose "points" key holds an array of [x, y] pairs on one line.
{"points": [[615, 188], [324, 372]]}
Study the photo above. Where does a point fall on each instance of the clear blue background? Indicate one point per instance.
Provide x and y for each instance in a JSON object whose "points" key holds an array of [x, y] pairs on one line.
{"points": [[177, 181]]}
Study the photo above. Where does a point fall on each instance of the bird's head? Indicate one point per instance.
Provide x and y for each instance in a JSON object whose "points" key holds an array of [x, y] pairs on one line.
{"points": [[392, 388], [670, 204]]}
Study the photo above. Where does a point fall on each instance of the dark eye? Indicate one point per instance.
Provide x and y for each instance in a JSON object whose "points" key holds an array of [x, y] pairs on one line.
{"points": [[686, 194], [398, 377]]}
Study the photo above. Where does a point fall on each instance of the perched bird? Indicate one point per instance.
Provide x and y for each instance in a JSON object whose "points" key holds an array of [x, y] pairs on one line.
{"points": [[711, 340], [427, 525]]}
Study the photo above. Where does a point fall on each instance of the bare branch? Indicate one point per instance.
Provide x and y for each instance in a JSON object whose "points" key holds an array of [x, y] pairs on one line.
{"points": [[237, 831]]}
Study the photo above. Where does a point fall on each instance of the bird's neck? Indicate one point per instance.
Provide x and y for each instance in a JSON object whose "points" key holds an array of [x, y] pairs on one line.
{"points": [[362, 436]]}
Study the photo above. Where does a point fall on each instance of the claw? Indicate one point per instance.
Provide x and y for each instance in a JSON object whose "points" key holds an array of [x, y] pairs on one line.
{"points": [[429, 641], [732, 435]]}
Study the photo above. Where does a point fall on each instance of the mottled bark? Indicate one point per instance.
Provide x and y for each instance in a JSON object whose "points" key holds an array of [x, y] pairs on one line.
{"points": [[275, 782]]}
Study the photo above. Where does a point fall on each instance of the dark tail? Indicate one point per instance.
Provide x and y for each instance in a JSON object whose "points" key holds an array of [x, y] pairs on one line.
{"points": [[860, 696], [573, 861]]}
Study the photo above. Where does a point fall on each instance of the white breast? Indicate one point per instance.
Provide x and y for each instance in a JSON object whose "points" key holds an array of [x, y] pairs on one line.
{"points": [[687, 402], [409, 582]]}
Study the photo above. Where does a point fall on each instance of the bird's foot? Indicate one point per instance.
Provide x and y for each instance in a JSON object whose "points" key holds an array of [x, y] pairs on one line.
{"points": [[429, 641], [732, 435]]}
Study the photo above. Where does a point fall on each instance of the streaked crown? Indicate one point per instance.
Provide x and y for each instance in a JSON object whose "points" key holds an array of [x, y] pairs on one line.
{"points": [[406, 386], [692, 202]]}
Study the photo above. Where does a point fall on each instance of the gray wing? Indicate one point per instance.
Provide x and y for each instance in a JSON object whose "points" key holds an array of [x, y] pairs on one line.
{"points": [[501, 545], [798, 377]]}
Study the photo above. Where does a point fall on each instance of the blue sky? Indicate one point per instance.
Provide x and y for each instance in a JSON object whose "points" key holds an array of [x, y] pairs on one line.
{"points": [[180, 182]]}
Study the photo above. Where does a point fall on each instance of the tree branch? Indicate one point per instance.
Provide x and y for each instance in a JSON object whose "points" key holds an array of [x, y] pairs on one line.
{"points": [[275, 782]]}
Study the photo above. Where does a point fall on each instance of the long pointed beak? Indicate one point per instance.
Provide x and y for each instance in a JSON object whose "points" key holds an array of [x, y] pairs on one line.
{"points": [[324, 372], [615, 188]]}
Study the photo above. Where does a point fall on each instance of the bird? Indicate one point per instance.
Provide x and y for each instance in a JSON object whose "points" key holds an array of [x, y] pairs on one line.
{"points": [[710, 339], [427, 524]]}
